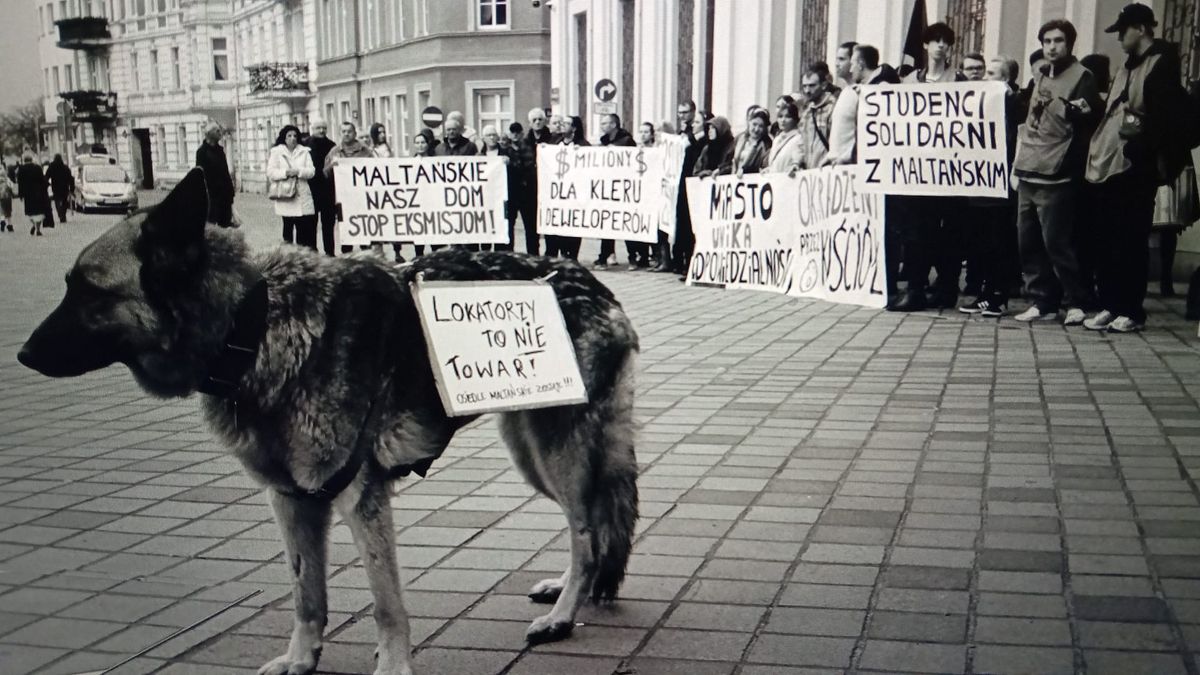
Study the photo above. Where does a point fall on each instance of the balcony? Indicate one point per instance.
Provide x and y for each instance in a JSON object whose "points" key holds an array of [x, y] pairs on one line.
{"points": [[279, 80], [92, 106], [85, 32]]}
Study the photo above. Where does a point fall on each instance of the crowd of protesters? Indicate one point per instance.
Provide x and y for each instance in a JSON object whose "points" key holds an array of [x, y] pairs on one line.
{"points": [[1093, 171]]}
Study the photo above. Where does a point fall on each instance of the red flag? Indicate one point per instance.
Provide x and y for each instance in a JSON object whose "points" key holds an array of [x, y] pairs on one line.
{"points": [[913, 57]]}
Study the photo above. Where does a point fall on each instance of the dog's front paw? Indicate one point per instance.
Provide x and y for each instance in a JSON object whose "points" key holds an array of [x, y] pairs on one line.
{"points": [[386, 667], [548, 629], [546, 591], [289, 665]]}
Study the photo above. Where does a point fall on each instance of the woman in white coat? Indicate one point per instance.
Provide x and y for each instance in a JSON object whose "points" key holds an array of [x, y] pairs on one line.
{"points": [[289, 166]]}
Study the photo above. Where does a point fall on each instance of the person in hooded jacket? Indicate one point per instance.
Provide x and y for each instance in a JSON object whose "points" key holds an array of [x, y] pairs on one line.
{"points": [[61, 183], [718, 151]]}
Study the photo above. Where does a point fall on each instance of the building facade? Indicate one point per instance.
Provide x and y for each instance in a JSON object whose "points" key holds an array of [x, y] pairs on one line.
{"points": [[729, 54], [386, 61]]}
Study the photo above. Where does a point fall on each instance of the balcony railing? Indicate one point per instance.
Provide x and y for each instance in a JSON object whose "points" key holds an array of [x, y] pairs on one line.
{"points": [[85, 32], [92, 106], [282, 80]]}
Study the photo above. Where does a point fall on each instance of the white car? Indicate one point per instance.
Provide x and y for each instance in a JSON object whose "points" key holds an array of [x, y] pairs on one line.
{"points": [[103, 186]]}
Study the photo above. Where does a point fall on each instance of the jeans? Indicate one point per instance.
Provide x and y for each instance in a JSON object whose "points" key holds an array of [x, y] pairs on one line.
{"points": [[1045, 230], [1124, 211]]}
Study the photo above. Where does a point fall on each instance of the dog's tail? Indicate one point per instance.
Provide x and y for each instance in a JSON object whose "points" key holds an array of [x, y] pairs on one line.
{"points": [[614, 504]]}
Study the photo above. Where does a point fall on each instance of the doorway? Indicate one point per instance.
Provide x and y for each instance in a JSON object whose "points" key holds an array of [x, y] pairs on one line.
{"points": [[143, 158]]}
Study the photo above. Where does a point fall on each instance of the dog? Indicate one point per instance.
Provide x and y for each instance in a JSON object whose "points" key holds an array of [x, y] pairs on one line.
{"points": [[315, 374]]}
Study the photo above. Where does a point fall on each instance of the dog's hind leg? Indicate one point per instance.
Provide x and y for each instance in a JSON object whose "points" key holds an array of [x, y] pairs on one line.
{"points": [[369, 515], [557, 469], [304, 524]]}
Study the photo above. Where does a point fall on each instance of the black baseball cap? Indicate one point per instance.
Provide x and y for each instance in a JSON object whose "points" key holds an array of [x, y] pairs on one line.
{"points": [[1133, 14]]}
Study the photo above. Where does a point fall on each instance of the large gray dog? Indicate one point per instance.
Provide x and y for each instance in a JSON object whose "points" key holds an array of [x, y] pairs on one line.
{"points": [[316, 375]]}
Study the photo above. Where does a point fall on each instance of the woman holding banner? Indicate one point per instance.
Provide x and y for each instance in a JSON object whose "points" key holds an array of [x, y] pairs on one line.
{"points": [[719, 149], [422, 147], [787, 150], [753, 148], [289, 166]]}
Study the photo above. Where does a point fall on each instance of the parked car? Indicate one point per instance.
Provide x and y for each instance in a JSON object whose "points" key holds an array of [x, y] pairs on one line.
{"points": [[103, 186]]}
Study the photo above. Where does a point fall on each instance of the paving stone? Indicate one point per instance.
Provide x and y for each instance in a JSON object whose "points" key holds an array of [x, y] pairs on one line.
{"points": [[950, 628], [810, 621], [1022, 631], [1024, 659], [1113, 635], [893, 656], [1122, 663], [709, 616], [801, 651], [1120, 608], [705, 645]]}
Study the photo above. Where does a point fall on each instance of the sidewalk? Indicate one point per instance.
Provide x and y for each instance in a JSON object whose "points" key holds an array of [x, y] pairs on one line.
{"points": [[825, 489]]}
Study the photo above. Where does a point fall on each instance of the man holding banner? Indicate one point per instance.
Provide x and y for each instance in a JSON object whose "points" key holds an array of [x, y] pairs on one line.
{"points": [[612, 134]]}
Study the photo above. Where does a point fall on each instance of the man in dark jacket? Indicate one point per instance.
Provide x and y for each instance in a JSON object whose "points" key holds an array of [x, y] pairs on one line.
{"points": [[322, 188], [537, 134], [1135, 149], [455, 144], [211, 158], [61, 182], [639, 252], [691, 127]]}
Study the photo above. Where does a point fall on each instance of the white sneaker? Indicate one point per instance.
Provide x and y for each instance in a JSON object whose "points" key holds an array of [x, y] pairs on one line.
{"points": [[1075, 317], [1100, 321], [1035, 314], [1124, 324]]}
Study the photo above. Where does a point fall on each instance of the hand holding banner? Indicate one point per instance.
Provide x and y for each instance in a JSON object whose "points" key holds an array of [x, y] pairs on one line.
{"points": [[424, 200], [933, 139]]}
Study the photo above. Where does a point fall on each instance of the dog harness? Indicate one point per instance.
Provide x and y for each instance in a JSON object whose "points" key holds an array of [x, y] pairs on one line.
{"points": [[241, 345]]}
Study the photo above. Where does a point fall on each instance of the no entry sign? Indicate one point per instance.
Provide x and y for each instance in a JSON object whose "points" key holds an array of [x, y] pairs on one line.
{"points": [[432, 117]]}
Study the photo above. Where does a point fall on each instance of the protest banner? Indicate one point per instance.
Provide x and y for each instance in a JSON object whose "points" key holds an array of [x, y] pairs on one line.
{"points": [[744, 233], [839, 249], [673, 147], [497, 345], [601, 192], [933, 139], [424, 200]]}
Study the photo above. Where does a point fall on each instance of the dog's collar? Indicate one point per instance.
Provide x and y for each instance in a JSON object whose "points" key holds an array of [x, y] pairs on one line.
{"points": [[240, 347]]}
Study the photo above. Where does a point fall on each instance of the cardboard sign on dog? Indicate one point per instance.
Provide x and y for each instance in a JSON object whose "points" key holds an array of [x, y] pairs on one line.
{"points": [[424, 200], [498, 345]]}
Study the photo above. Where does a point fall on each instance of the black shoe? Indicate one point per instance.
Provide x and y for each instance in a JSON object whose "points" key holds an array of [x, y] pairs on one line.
{"points": [[972, 306], [912, 301], [663, 267], [993, 309]]}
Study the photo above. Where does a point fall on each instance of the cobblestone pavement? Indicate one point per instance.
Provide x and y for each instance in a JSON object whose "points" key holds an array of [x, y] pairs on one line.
{"points": [[825, 489]]}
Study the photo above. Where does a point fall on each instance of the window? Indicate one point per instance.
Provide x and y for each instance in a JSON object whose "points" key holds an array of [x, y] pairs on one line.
{"points": [[400, 133], [385, 117], [49, 18], [69, 77], [160, 145], [175, 68], [493, 14], [492, 105], [220, 59], [329, 116], [422, 100], [345, 113], [46, 72], [337, 35], [133, 71], [154, 70], [181, 146]]}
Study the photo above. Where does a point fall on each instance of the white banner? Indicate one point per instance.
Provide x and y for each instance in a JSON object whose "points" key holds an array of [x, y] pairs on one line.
{"points": [[601, 192], [744, 231], [839, 251], [674, 146], [498, 345], [933, 139], [424, 200]]}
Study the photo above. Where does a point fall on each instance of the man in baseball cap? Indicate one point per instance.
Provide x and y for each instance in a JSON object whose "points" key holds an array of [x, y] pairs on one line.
{"points": [[1133, 14]]}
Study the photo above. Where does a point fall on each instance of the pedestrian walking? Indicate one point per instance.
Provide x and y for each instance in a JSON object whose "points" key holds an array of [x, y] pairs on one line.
{"points": [[7, 192], [61, 183], [31, 183], [211, 158]]}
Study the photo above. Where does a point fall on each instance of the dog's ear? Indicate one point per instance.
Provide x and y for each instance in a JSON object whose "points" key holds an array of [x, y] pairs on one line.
{"points": [[172, 239], [180, 218]]}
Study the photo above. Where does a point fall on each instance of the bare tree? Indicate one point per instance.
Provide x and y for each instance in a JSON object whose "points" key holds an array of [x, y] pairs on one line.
{"points": [[19, 127]]}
